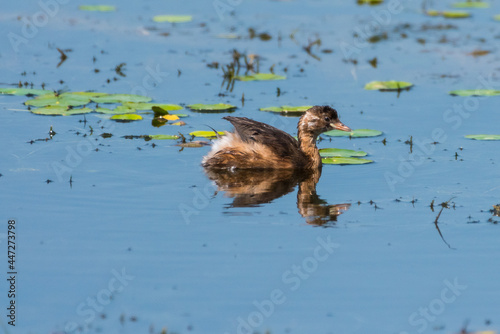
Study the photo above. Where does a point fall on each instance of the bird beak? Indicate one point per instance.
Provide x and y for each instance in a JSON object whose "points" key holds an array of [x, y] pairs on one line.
{"points": [[338, 125]]}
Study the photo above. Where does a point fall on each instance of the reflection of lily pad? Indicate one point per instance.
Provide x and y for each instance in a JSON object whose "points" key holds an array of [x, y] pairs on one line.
{"points": [[388, 85], [126, 117], [338, 152], [24, 91], [173, 18], [97, 8], [60, 111], [483, 137], [345, 161], [163, 137], [116, 111], [120, 98], [470, 4], [61, 100], [359, 133], [260, 77], [206, 134], [287, 109], [208, 107], [475, 92], [149, 106]]}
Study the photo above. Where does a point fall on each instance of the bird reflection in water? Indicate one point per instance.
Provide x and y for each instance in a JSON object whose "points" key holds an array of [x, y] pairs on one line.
{"points": [[250, 188]]}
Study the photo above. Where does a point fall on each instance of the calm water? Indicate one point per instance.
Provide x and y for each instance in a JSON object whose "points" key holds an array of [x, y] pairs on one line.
{"points": [[141, 240]]}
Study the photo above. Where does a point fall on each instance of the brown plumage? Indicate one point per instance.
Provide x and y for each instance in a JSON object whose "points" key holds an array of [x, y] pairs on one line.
{"points": [[258, 145]]}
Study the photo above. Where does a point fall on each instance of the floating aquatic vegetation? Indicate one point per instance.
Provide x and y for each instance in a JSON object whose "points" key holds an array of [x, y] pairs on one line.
{"points": [[169, 117], [116, 111], [260, 77], [206, 134], [63, 100], [475, 92], [388, 85], [287, 109], [163, 137], [209, 107], [457, 14], [339, 152], [483, 137], [173, 18], [345, 161], [470, 4], [120, 98], [149, 106], [24, 91], [60, 111], [97, 8], [359, 133], [126, 117]]}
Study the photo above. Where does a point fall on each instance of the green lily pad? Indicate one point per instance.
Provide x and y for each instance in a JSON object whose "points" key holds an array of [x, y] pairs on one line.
{"points": [[338, 152], [120, 98], [173, 18], [60, 111], [206, 134], [345, 161], [207, 107], [163, 137], [97, 8], [126, 117], [497, 17], [359, 133], [24, 91], [116, 111], [470, 4], [455, 14], [370, 2], [260, 77], [483, 137], [87, 94], [149, 106], [287, 109], [432, 12], [475, 92], [388, 85], [60, 100]]}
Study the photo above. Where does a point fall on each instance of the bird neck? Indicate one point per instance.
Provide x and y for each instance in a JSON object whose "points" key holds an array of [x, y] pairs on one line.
{"points": [[307, 144]]}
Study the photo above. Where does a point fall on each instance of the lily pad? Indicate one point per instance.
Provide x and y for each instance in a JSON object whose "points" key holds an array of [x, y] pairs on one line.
{"points": [[163, 137], [116, 111], [483, 137], [60, 111], [370, 2], [455, 14], [126, 117], [260, 77], [120, 98], [173, 18], [206, 134], [60, 100], [470, 4], [170, 117], [345, 161], [388, 85], [287, 109], [359, 133], [24, 91], [497, 17], [338, 152], [87, 94], [149, 106], [97, 8], [208, 107], [475, 92]]}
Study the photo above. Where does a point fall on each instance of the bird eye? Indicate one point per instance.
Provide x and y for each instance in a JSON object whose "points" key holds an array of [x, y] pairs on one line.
{"points": [[327, 119]]}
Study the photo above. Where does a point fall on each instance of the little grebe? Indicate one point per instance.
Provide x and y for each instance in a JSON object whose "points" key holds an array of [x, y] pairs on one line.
{"points": [[261, 146]]}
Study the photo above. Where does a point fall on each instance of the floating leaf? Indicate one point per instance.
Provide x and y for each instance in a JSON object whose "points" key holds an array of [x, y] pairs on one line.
{"points": [[338, 152], [432, 12], [126, 117], [478, 53], [497, 17], [370, 2], [24, 91], [163, 137], [483, 137], [173, 18], [345, 161], [194, 143], [260, 77], [97, 8], [359, 133], [470, 4], [228, 36], [180, 123], [170, 117], [475, 92], [388, 85], [287, 109], [61, 100], [218, 106], [149, 106], [455, 14], [116, 111], [120, 98], [87, 94], [60, 111], [206, 134]]}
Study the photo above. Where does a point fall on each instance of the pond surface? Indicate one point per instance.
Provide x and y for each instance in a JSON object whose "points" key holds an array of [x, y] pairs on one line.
{"points": [[118, 235]]}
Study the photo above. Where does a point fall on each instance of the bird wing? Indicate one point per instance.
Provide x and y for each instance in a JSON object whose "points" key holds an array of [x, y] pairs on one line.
{"points": [[250, 131]]}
